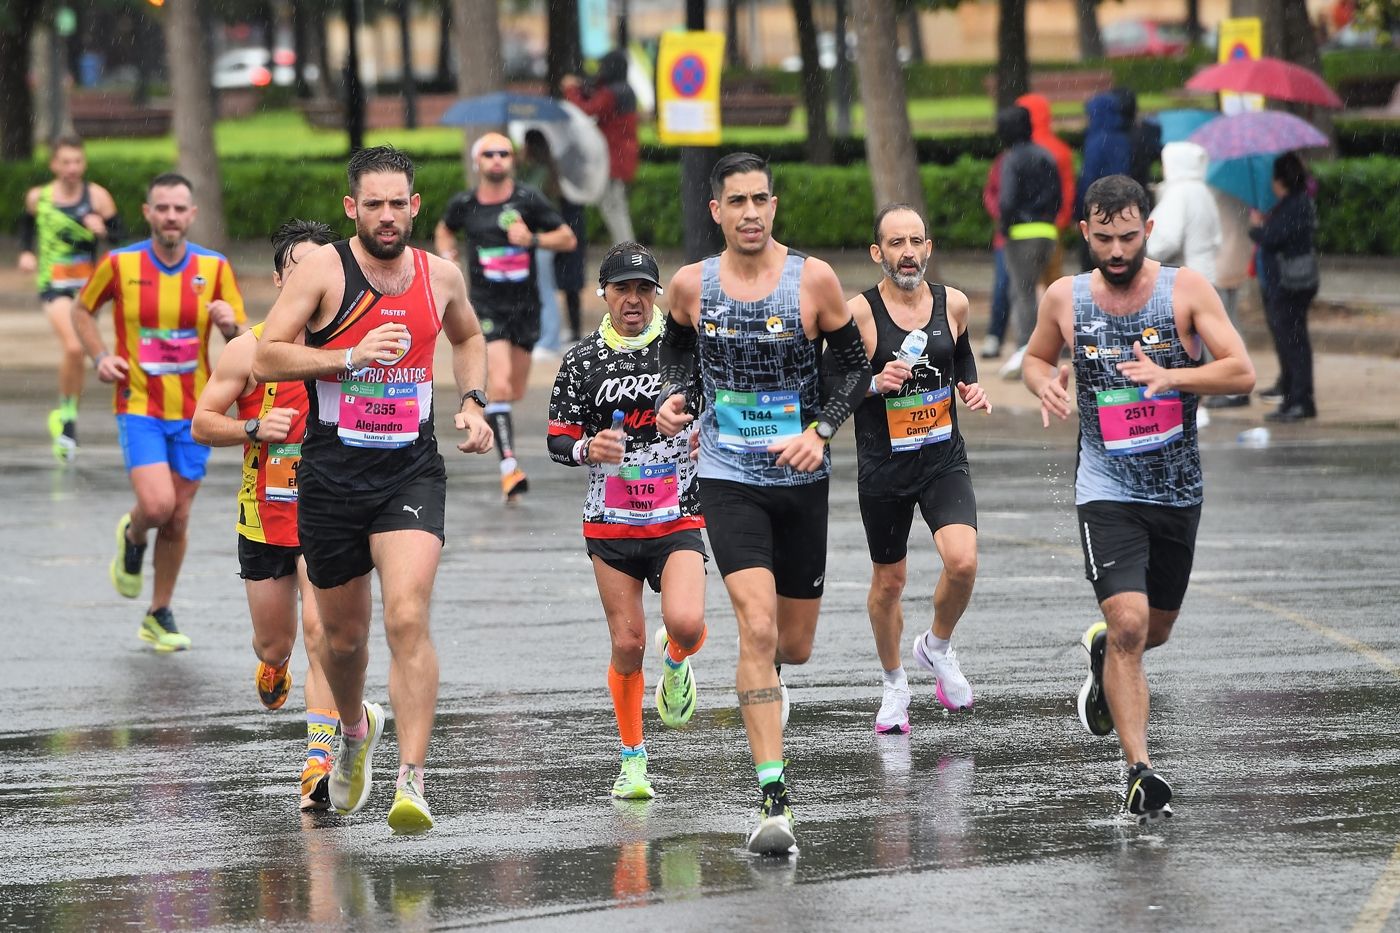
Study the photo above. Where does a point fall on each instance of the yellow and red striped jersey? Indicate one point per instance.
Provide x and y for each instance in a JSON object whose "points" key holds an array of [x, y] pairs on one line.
{"points": [[161, 316]]}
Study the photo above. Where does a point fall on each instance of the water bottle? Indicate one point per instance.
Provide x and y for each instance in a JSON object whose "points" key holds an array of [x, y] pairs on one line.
{"points": [[913, 347], [1254, 437], [612, 469]]}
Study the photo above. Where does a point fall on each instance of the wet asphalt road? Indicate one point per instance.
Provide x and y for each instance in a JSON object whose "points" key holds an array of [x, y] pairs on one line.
{"points": [[152, 792]]}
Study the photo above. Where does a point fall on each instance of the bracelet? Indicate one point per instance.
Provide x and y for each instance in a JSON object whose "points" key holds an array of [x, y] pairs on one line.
{"points": [[97, 360], [581, 450], [873, 390], [349, 359]]}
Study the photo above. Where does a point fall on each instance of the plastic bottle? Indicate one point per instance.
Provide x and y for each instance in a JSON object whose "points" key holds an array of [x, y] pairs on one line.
{"points": [[1254, 437], [913, 347], [612, 469]]}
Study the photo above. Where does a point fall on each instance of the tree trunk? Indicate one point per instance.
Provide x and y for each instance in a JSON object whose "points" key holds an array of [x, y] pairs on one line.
{"points": [[301, 49], [407, 82], [444, 51], [1013, 68], [889, 145], [564, 55], [193, 119], [732, 56], [16, 101], [476, 35], [268, 15], [915, 30], [320, 50], [841, 90], [1090, 38], [814, 96], [1193, 23]]}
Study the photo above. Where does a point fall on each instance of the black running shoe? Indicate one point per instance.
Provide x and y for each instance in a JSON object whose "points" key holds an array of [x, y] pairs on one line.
{"points": [[774, 833], [1093, 705], [1149, 794]]}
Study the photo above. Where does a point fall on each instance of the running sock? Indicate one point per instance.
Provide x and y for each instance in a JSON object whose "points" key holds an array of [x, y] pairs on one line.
{"points": [[320, 733], [403, 775], [357, 732], [896, 678], [936, 645], [498, 416], [68, 407], [768, 772], [627, 690], [676, 655], [633, 751]]}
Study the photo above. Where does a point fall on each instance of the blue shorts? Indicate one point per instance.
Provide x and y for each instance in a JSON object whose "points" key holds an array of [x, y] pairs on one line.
{"points": [[147, 440]]}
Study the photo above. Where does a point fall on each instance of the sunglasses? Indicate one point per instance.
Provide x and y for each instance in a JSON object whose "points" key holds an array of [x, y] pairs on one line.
{"points": [[496, 153]]}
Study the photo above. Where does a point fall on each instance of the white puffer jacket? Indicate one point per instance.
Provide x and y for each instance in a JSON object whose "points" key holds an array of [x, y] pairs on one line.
{"points": [[1186, 222]]}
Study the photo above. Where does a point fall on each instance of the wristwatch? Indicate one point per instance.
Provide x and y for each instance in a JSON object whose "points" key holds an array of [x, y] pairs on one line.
{"points": [[476, 395], [825, 429], [250, 428]]}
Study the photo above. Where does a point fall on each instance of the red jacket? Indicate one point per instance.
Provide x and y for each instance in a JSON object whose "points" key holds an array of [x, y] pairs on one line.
{"points": [[619, 129], [1041, 134]]}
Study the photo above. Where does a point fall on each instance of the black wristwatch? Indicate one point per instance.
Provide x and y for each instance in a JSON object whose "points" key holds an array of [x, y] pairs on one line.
{"points": [[250, 428], [825, 429], [476, 395]]}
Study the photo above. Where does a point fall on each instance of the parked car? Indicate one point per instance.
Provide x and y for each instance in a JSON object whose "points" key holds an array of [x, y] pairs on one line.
{"points": [[253, 67], [1143, 38]]}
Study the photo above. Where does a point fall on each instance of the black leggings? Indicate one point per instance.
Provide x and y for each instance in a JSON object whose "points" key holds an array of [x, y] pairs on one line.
{"points": [[1287, 314]]}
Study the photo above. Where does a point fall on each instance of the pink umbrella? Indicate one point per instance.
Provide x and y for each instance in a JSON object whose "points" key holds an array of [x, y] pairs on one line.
{"points": [[1271, 77]]}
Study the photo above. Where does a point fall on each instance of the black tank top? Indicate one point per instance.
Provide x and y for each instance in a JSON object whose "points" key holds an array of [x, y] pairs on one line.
{"points": [[910, 437]]}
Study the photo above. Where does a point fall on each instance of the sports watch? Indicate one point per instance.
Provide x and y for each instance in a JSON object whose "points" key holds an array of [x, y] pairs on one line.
{"points": [[476, 395], [250, 428], [825, 429]]}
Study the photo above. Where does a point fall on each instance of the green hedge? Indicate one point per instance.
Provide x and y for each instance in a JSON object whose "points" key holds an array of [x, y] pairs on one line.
{"points": [[820, 206]]}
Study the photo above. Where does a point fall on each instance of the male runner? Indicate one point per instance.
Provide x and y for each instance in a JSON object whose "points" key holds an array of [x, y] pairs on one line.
{"points": [[762, 311], [58, 238], [270, 425], [167, 294], [641, 519], [1135, 328], [373, 487], [910, 453], [504, 222]]}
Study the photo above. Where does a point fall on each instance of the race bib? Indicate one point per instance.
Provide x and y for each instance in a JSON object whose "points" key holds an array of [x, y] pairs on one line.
{"points": [[645, 494], [504, 263], [70, 274], [283, 461], [162, 351], [754, 420], [919, 420], [1132, 424], [378, 414]]}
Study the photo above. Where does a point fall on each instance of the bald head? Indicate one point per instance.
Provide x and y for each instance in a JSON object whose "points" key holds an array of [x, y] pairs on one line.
{"points": [[493, 155]]}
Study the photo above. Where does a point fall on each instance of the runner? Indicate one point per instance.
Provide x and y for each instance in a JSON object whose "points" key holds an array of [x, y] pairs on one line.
{"points": [[58, 238], [504, 222], [270, 424], [910, 453], [167, 294], [641, 520], [1135, 328], [762, 311], [373, 486]]}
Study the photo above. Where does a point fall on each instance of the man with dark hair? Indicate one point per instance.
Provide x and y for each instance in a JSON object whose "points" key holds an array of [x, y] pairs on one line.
{"points": [[1135, 330], [910, 453], [167, 295], [762, 312], [503, 222], [372, 484], [270, 424], [59, 232]]}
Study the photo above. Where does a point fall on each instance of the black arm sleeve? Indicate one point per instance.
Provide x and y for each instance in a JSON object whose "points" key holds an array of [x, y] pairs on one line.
{"points": [[678, 344], [561, 449], [27, 233], [848, 377], [116, 230], [964, 361]]}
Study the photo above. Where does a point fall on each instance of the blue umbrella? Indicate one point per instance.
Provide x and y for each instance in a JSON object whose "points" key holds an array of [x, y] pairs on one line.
{"points": [[1250, 179], [502, 107], [1179, 124]]}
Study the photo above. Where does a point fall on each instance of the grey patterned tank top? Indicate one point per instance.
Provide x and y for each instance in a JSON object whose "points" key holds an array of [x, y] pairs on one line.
{"points": [[760, 376], [1133, 448]]}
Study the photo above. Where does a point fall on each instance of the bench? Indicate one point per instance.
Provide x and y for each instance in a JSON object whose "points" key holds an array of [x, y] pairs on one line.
{"points": [[97, 115], [1058, 86]]}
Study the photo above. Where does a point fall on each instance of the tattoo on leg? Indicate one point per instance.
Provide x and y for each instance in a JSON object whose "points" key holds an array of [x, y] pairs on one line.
{"points": [[761, 695]]}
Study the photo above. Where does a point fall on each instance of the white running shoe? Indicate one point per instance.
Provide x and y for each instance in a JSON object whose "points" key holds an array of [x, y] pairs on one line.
{"points": [[952, 688], [1011, 369], [893, 718], [991, 347]]}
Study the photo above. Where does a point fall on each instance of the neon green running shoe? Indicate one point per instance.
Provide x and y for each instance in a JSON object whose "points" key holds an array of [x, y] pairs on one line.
{"points": [[774, 834], [352, 775], [675, 692], [63, 429], [632, 783], [159, 629], [126, 566], [410, 816]]}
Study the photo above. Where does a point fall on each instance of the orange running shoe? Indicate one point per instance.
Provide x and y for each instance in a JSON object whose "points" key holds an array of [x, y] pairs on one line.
{"points": [[315, 784], [514, 483], [274, 683]]}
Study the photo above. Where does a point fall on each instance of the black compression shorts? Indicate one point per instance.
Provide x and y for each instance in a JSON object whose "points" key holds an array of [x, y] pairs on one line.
{"points": [[947, 500], [1132, 547], [259, 561], [780, 528], [521, 326], [644, 558]]}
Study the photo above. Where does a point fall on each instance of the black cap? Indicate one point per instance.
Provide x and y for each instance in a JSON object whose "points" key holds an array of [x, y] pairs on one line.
{"points": [[629, 264]]}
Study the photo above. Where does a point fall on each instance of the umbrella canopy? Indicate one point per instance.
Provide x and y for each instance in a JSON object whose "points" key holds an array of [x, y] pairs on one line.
{"points": [[501, 108], [1270, 77], [579, 149], [1261, 132], [1179, 124], [1250, 179]]}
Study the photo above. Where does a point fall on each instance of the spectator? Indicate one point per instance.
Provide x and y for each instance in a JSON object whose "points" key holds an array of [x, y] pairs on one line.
{"points": [[537, 169], [1231, 269], [1042, 134], [1185, 222], [1144, 138], [609, 100], [1107, 151], [1001, 300]]}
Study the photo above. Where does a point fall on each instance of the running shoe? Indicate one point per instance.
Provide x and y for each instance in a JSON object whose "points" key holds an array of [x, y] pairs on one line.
{"points": [[1093, 705], [950, 686], [991, 347], [675, 693], [126, 566], [410, 816], [514, 484], [159, 629], [64, 432], [315, 784], [774, 833], [632, 783], [1149, 795], [352, 776], [274, 683], [1011, 369], [893, 718]]}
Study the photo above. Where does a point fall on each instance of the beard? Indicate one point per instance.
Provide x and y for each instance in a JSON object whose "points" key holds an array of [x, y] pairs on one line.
{"points": [[1119, 279], [904, 281], [370, 241]]}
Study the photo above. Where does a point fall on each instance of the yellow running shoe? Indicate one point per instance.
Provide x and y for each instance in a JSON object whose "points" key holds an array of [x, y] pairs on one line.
{"points": [[675, 691], [274, 683], [352, 775], [632, 783], [315, 780], [159, 629], [64, 432], [126, 566], [410, 816]]}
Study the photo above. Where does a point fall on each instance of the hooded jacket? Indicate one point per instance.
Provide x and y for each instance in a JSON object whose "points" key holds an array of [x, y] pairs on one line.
{"points": [[1030, 181], [1186, 221], [1042, 135], [1107, 147], [610, 102]]}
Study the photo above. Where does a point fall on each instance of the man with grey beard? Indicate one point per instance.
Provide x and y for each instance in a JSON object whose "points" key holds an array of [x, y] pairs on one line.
{"points": [[909, 452]]}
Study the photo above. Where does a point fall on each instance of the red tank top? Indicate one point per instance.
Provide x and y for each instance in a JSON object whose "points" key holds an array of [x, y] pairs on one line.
{"points": [[267, 500]]}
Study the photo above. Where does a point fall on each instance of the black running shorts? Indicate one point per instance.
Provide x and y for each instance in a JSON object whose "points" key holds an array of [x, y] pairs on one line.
{"points": [[644, 558], [335, 530], [779, 528], [52, 294], [1132, 547], [521, 326], [945, 500], [258, 561]]}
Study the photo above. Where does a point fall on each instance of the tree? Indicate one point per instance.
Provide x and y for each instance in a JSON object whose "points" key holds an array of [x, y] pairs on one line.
{"points": [[1090, 38], [17, 21], [814, 95], [193, 118], [476, 33], [565, 54], [1013, 67], [889, 146]]}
